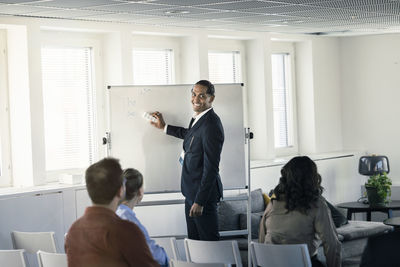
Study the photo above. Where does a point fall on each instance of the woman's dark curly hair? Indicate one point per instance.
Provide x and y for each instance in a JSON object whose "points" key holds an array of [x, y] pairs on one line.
{"points": [[300, 184]]}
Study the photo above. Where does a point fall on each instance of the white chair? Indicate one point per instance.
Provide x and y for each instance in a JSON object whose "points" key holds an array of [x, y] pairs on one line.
{"points": [[32, 242], [225, 251], [12, 258], [280, 255], [174, 263], [170, 246], [47, 259]]}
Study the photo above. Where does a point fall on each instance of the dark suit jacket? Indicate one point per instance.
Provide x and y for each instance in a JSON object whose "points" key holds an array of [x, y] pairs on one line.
{"points": [[200, 180]]}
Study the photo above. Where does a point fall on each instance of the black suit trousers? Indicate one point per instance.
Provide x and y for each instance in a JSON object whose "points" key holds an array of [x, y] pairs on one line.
{"points": [[204, 227]]}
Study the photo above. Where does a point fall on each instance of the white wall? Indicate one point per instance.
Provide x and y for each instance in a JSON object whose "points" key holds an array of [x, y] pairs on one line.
{"points": [[327, 94], [370, 71], [338, 171], [341, 82], [319, 95]]}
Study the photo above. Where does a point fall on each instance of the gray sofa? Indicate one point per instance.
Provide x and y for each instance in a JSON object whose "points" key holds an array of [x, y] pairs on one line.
{"points": [[354, 235]]}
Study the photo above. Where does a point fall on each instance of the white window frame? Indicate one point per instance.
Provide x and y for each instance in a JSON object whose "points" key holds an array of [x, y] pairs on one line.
{"points": [[5, 148], [222, 43], [240, 67], [288, 48], [160, 42], [172, 78], [51, 39]]}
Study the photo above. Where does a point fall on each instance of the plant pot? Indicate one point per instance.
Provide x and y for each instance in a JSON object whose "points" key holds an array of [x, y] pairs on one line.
{"points": [[374, 199]]}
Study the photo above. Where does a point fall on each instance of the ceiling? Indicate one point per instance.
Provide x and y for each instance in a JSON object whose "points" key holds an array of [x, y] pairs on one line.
{"points": [[319, 17]]}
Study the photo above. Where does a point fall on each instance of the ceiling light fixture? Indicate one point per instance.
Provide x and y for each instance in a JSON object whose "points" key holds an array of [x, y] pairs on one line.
{"points": [[138, 1], [177, 12]]}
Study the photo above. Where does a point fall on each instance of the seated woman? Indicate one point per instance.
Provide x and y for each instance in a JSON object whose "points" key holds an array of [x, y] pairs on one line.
{"points": [[133, 195], [299, 215]]}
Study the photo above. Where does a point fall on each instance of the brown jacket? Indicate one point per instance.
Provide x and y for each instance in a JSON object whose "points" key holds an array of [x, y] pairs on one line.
{"points": [[278, 226], [100, 238]]}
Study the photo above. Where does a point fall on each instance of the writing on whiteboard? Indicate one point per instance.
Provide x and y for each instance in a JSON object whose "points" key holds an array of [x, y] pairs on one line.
{"points": [[131, 102], [131, 113], [144, 91]]}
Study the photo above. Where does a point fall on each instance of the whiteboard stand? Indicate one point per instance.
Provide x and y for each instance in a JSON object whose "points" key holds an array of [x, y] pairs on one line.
{"points": [[248, 135], [107, 143]]}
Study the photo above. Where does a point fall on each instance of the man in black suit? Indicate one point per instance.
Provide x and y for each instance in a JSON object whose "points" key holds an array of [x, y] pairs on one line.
{"points": [[202, 145]]}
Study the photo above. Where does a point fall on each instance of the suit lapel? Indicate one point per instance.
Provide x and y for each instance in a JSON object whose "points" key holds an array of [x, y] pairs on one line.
{"points": [[201, 121]]}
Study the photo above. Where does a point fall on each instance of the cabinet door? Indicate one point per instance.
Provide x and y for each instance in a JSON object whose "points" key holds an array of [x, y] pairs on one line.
{"points": [[32, 213]]}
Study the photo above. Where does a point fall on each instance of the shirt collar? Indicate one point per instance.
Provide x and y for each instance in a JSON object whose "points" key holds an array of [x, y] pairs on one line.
{"points": [[198, 116]]}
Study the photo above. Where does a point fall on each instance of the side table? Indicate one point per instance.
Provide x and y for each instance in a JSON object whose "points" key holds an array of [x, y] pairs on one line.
{"points": [[395, 222], [354, 207]]}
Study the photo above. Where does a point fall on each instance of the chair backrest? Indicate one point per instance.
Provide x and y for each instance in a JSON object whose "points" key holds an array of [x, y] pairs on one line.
{"points": [[32, 242], [280, 255], [12, 258], [170, 246], [174, 263], [224, 251], [47, 259]]}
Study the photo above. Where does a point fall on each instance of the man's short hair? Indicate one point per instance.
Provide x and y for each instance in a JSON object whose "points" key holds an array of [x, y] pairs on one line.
{"points": [[210, 87], [103, 180]]}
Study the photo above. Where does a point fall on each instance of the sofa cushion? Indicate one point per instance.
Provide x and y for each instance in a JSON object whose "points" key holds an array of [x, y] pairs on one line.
{"points": [[337, 217], [257, 201], [229, 210], [360, 229], [228, 214], [255, 222]]}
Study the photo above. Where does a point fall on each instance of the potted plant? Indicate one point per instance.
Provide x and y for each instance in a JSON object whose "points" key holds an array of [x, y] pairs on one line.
{"points": [[378, 189]]}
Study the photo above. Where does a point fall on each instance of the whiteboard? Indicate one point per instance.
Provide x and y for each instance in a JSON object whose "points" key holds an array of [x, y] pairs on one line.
{"points": [[155, 154]]}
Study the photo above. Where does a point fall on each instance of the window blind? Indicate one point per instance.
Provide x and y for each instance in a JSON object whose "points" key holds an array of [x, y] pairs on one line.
{"points": [[152, 66], [281, 105], [224, 67], [68, 98]]}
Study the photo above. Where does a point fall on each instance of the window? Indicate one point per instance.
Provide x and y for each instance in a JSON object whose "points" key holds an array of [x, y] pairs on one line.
{"points": [[282, 100], [151, 66], [68, 97], [224, 67], [5, 155]]}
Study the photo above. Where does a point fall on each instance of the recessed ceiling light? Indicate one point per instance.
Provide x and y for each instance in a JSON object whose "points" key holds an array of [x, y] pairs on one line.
{"points": [[177, 11], [138, 1]]}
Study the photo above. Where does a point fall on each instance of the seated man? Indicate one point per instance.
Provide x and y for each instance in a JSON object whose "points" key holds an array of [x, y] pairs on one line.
{"points": [[100, 238]]}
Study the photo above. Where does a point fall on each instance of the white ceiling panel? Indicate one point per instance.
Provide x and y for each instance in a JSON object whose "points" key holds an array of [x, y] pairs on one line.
{"points": [[129, 7], [332, 13], [168, 21], [19, 9], [242, 5], [116, 17], [67, 13], [191, 2], [352, 3], [219, 15], [283, 9], [297, 16], [179, 12], [73, 3], [20, 1], [256, 19]]}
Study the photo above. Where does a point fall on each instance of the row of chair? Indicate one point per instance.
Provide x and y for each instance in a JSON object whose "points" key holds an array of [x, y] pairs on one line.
{"points": [[227, 252], [16, 258], [202, 252]]}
